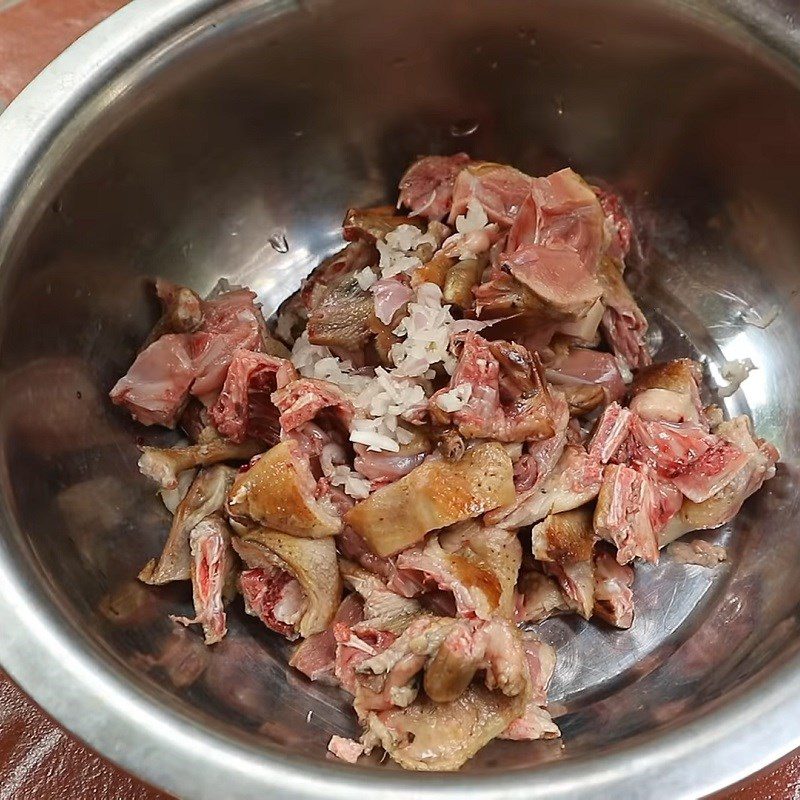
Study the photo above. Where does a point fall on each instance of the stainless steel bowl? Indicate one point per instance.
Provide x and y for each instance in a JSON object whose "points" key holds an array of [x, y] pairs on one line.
{"points": [[175, 140]]}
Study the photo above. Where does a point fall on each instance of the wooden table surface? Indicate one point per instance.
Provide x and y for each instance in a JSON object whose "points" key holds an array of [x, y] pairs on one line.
{"points": [[38, 759]]}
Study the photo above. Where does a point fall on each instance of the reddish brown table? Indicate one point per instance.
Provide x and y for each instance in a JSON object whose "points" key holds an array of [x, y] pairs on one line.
{"points": [[37, 758]]}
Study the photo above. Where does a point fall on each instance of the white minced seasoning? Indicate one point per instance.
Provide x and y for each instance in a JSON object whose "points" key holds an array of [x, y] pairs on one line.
{"points": [[474, 220], [366, 277], [455, 399], [332, 461], [425, 335], [383, 400], [395, 252]]}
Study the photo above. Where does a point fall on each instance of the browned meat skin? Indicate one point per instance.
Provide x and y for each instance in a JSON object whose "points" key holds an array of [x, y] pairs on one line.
{"points": [[311, 562], [342, 317], [540, 596], [668, 392], [460, 280], [477, 565], [332, 271], [563, 543], [433, 271], [564, 537], [443, 736], [278, 491], [165, 465], [435, 494], [205, 497], [213, 576], [374, 223], [451, 444]]}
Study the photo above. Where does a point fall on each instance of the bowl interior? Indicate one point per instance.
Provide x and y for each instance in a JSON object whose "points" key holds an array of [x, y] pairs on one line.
{"points": [[275, 122]]}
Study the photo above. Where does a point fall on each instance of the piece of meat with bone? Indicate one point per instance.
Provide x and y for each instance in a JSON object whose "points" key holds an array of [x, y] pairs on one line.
{"points": [[181, 311], [435, 494], [587, 378], [426, 188], [278, 490], [157, 386], [354, 548], [624, 513], [494, 647], [561, 211], [213, 576], [668, 392], [564, 543], [574, 481], [723, 506], [536, 723], [315, 656], [371, 224], [244, 409], [384, 609], [205, 497], [623, 323], [557, 277], [303, 399], [440, 737], [613, 596], [232, 320], [540, 597], [477, 565], [165, 465], [291, 583], [155, 390], [618, 226], [501, 190], [506, 397]]}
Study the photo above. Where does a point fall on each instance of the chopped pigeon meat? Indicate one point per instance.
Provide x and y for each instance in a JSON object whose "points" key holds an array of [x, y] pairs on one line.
{"points": [[244, 409], [623, 323], [435, 494], [426, 189], [292, 584], [213, 576], [468, 435]]}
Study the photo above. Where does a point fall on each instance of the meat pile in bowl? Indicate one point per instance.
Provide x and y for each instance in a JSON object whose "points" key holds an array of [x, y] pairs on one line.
{"points": [[450, 433]]}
